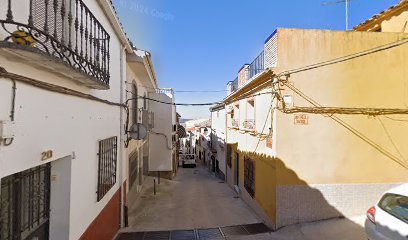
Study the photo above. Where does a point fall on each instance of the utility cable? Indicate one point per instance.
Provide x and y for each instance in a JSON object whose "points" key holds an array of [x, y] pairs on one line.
{"points": [[346, 58], [266, 120], [176, 104], [396, 119], [179, 91], [348, 127], [390, 139], [349, 111], [54, 88]]}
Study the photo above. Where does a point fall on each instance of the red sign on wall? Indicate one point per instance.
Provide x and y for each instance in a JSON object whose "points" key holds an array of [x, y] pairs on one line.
{"points": [[269, 142]]}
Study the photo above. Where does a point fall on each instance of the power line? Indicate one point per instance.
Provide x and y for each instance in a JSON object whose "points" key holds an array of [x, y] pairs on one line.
{"points": [[345, 58], [390, 139], [175, 104], [199, 91], [179, 91], [396, 119], [350, 111], [350, 128]]}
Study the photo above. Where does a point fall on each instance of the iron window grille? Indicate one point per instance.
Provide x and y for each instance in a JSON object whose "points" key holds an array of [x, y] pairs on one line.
{"points": [[249, 176], [64, 29], [106, 166], [25, 203]]}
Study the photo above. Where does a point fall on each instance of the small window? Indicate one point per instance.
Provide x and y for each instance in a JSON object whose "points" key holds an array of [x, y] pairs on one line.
{"points": [[396, 205], [249, 176], [106, 166]]}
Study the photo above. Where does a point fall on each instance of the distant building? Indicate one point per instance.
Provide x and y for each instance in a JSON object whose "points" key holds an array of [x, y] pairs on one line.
{"points": [[218, 134]]}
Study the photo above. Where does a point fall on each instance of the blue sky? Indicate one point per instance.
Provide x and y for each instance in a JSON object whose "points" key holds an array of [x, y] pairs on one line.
{"points": [[201, 44]]}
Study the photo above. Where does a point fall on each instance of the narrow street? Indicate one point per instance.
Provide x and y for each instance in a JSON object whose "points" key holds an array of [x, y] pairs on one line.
{"points": [[197, 202], [194, 199]]}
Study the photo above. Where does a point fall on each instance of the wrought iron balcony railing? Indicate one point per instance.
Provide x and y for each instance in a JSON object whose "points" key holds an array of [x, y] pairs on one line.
{"points": [[63, 29], [249, 124], [235, 123]]}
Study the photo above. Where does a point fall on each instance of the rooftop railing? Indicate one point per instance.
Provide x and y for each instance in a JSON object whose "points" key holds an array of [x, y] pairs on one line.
{"points": [[63, 29], [257, 66]]}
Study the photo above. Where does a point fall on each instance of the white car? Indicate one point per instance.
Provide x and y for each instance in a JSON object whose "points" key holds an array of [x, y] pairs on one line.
{"points": [[188, 160], [388, 219]]}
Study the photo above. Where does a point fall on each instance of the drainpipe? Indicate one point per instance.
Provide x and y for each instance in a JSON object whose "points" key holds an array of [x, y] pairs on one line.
{"points": [[122, 140]]}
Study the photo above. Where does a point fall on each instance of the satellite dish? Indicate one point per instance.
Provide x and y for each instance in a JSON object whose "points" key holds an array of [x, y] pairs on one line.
{"points": [[138, 131]]}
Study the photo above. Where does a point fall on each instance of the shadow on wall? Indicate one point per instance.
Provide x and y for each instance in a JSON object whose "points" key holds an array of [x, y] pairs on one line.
{"points": [[288, 200]]}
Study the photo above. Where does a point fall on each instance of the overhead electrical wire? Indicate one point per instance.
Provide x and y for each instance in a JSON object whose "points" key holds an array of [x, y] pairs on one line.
{"points": [[396, 119], [345, 58], [179, 91], [390, 139], [349, 111], [266, 121], [347, 126], [176, 104]]}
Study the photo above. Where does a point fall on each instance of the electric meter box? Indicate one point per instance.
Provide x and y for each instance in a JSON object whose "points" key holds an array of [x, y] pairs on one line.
{"points": [[6, 129]]}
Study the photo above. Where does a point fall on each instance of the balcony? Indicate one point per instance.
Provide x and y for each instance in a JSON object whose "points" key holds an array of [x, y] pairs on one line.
{"points": [[235, 123], [61, 36], [249, 124], [257, 66]]}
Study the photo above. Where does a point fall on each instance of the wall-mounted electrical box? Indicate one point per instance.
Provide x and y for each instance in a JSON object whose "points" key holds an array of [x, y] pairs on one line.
{"points": [[6, 129]]}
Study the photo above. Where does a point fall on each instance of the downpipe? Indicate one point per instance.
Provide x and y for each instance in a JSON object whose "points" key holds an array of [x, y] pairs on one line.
{"points": [[122, 140]]}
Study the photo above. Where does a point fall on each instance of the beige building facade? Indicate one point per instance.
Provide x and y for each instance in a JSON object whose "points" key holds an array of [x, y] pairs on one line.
{"points": [[323, 143]]}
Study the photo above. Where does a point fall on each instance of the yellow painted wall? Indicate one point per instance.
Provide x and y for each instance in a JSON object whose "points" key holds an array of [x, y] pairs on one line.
{"points": [[324, 152], [265, 181]]}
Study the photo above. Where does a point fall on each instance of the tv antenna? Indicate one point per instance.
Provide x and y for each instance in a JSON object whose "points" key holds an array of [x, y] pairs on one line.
{"points": [[347, 9]]}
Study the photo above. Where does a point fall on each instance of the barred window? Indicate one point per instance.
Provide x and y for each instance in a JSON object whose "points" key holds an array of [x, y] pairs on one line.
{"points": [[107, 165], [249, 176]]}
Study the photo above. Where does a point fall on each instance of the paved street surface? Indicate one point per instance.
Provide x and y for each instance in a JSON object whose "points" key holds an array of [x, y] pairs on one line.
{"points": [[194, 199], [336, 229], [199, 203]]}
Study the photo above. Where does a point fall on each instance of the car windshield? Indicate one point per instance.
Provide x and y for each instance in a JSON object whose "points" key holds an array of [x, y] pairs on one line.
{"points": [[189, 157], [395, 205]]}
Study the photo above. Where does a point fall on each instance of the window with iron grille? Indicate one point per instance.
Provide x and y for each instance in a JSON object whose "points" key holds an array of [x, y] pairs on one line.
{"points": [[249, 176], [106, 165]]}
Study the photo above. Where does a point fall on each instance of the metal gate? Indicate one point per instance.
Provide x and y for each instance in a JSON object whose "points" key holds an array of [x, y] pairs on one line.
{"points": [[25, 204]]}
